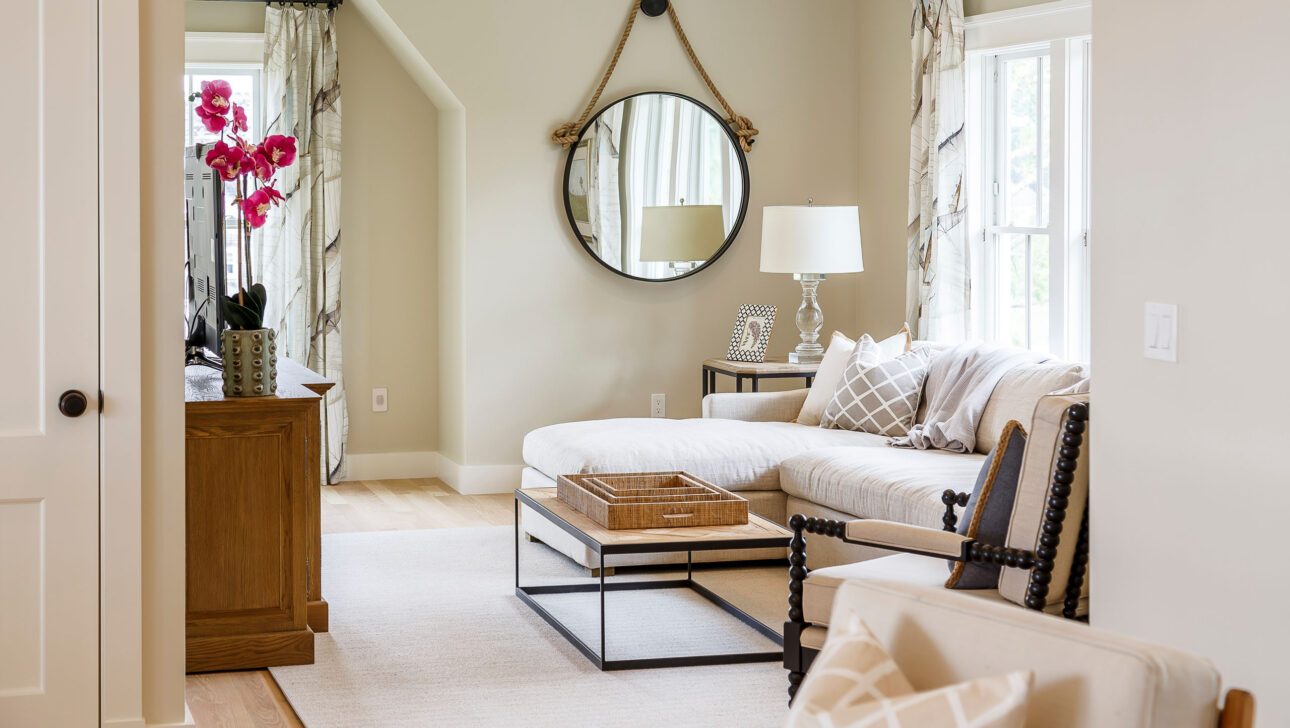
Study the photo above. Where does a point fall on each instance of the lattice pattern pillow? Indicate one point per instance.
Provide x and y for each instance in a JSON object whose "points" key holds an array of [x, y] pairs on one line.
{"points": [[878, 397], [854, 683]]}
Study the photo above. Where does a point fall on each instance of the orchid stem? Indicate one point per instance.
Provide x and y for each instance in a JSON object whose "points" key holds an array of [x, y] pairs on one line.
{"points": [[240, 225]]}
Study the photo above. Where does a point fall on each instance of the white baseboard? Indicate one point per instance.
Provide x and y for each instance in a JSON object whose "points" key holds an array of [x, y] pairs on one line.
{"points": [[465, 479], [392, 465], [479, 479]]}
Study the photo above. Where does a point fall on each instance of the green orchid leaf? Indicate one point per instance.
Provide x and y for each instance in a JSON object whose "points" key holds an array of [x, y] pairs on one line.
{"points": [[240, 317], [261, 298]]}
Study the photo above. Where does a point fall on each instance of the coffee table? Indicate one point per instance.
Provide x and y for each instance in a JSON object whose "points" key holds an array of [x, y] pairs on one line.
{"points": [[756, 534]]}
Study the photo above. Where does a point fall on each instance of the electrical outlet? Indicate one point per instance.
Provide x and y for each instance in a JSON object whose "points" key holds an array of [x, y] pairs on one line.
{"points": [[380, 399], [658, 405]]}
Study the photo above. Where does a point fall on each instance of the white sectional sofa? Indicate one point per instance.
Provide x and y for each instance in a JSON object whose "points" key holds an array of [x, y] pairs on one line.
{"points": [[749, 444]]}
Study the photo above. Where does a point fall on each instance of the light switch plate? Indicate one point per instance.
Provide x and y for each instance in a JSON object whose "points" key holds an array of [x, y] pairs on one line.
{"points": [[380, 399], [1160, 332]]}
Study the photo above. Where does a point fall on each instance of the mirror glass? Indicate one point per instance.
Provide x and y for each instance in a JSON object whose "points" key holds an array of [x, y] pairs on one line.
{"points": [[656, 187]]}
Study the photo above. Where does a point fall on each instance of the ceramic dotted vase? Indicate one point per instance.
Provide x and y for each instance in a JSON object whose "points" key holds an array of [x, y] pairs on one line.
{"points": [[250, 362]]}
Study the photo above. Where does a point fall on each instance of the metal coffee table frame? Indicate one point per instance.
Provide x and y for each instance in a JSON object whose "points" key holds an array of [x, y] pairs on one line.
{"points": [[527, 593]]}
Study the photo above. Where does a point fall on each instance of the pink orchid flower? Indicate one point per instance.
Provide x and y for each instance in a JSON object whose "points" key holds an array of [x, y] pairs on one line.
{"points": [[256, 207], [216, 96], [263, 169], [214, 123], [239, 118], [280, 150], [274, 195], [226, 160]]}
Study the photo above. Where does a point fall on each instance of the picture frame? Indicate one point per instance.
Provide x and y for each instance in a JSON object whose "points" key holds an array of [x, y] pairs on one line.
{"points": [[753, 328]]}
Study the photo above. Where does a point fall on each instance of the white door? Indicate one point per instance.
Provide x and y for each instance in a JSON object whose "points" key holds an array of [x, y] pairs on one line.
{"points": [[49, 502]]}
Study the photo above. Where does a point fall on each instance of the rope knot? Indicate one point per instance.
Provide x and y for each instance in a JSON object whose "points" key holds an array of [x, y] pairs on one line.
{"points": [[744, 131], [566, 135]]}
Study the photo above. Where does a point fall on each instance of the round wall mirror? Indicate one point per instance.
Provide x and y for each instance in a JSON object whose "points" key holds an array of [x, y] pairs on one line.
{"points": [[656, 187]]}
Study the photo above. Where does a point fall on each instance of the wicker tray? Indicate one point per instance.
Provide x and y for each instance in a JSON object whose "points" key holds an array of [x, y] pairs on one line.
{"points": [[651, 500]]}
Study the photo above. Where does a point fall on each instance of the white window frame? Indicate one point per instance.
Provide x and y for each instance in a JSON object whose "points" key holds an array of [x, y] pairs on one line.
{"points": [[254, 70], [1062, 30], [234, 53]]}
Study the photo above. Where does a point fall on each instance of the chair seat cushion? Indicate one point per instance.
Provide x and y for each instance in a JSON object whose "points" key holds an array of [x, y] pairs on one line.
{"points": [[821, 585], [730, 454], [887, 483]]}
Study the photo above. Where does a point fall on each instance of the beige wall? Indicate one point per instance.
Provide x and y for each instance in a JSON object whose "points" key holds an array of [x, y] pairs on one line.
{"points": [[389, 219], [1188, 519], [161, 52], [882, 40], [550, 336], [389, 222]]}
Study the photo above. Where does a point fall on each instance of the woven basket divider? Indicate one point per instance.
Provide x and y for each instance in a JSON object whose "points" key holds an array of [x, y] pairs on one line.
{"points": [[657, 500]]}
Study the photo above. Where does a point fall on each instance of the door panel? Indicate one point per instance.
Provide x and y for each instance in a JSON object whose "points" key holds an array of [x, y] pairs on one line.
{"points": [[49, 558], [22, 531]]}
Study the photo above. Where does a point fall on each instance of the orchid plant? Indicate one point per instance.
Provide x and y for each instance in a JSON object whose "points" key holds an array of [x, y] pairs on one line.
{"points": [[252, 167]]}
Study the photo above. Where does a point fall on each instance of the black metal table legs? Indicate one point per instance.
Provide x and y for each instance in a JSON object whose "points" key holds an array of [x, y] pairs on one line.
{"points": [[529, 595]]}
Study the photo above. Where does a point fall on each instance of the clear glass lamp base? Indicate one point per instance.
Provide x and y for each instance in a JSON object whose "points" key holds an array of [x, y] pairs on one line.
{"points": [[809, 321], [807, 357]]}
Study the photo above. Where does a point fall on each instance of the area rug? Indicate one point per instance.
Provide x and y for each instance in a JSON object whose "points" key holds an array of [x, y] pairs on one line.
{"points": [[426, 630]]}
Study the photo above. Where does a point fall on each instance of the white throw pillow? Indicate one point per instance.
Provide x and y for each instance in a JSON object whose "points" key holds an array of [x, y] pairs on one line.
{"points": [[835, 360]]}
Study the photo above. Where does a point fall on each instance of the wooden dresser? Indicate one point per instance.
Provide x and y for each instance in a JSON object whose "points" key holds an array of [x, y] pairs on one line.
{"points": [[253, 541]]}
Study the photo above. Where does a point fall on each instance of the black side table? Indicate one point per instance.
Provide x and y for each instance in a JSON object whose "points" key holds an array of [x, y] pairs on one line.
{"points": [[754, 371]]}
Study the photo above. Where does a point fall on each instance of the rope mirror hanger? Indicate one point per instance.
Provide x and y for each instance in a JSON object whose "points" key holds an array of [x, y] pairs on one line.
{"points": [[567, 134]]}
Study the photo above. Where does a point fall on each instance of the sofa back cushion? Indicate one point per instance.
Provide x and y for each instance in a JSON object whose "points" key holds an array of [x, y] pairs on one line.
{"points": [[1017, 394]]}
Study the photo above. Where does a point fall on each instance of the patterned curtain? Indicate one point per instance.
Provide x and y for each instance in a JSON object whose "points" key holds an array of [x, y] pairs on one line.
{"points": [[939, 290], [299, 253]]}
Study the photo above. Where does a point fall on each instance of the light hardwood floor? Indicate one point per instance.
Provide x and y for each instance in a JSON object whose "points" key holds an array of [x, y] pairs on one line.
{"points": [[251, 697]]}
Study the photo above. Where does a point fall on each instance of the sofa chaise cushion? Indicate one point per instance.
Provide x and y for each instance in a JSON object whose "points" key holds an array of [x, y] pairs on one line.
{"points": [[881, 482], [730, 454]]}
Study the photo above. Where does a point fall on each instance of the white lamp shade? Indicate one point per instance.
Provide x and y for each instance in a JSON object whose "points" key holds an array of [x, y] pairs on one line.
{"points": [[796, 239], [679, 233]]}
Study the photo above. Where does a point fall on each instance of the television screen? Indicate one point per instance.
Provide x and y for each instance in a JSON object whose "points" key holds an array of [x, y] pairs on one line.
{"points": [[206, 270]]}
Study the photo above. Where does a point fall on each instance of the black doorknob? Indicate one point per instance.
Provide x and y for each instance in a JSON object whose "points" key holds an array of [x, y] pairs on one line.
{"points": [[73, 403]]}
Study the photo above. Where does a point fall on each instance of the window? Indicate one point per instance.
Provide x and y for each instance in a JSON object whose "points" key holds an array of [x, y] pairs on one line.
{"points": [[1027, 179], [245, 80]]}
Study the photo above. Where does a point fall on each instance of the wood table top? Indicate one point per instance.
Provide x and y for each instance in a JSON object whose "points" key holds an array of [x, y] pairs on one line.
{"points": [[203, 384], [756, 528], [776, 365]]}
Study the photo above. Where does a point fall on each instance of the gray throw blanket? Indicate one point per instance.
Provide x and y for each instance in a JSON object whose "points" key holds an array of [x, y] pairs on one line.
{"points": [[959, 384]]}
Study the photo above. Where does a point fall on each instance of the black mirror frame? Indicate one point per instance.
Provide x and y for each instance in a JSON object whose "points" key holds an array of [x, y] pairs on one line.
{"points": [[743, 170]]}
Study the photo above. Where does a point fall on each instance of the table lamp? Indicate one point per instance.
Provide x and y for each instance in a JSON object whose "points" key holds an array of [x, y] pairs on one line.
{"points": [[810, 242], [681, 234]]}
